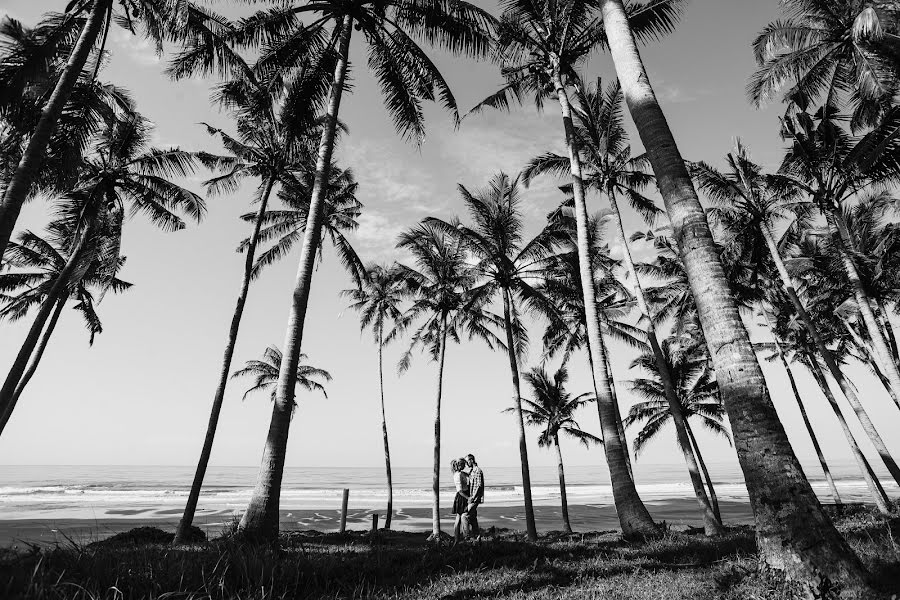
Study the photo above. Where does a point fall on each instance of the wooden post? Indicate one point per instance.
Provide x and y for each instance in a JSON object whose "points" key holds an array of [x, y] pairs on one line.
{"points": [[344, 502], [374, 522]]}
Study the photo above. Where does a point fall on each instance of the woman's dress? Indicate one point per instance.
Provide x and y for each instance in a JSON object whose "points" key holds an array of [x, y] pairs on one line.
{"points": [[460, 502]]}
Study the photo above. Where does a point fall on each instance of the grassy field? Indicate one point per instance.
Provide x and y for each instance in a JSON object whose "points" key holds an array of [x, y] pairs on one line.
{"points": [[403, 566]]}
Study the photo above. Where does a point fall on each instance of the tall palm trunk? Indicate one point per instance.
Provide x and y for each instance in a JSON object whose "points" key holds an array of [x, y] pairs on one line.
{"points": [[564, 503], [886, 363], [436, 474], [58, 291], [793, 532], [809, 429], [878, 494], [29, 166], [887, 329], [709, 482], [35, 360], [712, 524], [190, 508], [869, 359], [634, 517], [261, 517], [615, 403], [828, 357], [384, 432], [530, 526]]}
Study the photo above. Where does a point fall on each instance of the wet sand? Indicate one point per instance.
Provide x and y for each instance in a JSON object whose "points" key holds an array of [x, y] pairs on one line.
{"points": [[678, 513]]}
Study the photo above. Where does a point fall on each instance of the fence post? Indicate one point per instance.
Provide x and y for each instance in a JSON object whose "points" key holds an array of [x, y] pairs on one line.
{"points": [[344, 502]]}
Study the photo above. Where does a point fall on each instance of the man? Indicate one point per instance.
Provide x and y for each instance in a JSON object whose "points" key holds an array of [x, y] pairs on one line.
{"points": [[476, 494]]}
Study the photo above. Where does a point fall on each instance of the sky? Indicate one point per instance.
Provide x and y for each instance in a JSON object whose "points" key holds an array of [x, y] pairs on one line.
{"points": [[141, 394]]}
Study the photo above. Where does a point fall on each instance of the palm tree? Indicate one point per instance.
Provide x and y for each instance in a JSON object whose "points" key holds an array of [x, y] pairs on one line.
{"points": [[161, 22], [821, 49], [697, 394], [265, 374], [793, 532], [272, 144], [407, 76], [753, 203], [36, 265], [553, 409], [611, 170], [446, 303], [121, 171], [539, 46], [779, 352], [31, 61], [510, 266], [830, 167], [285, 227], [378, 302]]}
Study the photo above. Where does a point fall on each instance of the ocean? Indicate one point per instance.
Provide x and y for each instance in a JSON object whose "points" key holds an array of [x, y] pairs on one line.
{"points": [[44, 496]]}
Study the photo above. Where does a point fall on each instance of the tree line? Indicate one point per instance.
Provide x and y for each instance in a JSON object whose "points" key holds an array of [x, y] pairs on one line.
{"points": [[808, 250]]}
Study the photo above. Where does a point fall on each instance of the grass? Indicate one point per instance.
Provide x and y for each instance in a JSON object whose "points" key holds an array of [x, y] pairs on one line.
{"points": [[402, 566]]}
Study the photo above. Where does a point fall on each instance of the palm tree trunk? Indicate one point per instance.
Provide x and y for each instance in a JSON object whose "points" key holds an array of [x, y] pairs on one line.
{"points": [[384, 432], [841, 236], [262, 515], [35, 360], [634, 517], [878, 494], [828, 357], [530, 526], [615, 401], [190, 508], [709, 483], [793, 532], [887, 329], [712, 524], [564, 503], [58, 291], [809, 429], [869, 360], [29, 166], [436, 474]]}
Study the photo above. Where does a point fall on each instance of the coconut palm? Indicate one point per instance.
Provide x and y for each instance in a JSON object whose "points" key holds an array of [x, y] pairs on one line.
{"points": [[283, 228], [378, 302], [121, 171], [753, 203], [553, 409], [272, 144], [322, 30], [821, 49], [160, 21], [566, 330], [793, 532], [35, 265], [830, 167], [611, 170], [697, 394], [779, 352], [31, 60], [539, 46], [446, 304], [510, 266], [265, 375]]}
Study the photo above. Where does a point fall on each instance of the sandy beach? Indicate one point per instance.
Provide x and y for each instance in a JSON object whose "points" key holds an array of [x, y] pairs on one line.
{"points": [[680, 514]]}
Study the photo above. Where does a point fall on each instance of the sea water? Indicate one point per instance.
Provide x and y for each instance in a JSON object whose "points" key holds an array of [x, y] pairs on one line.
{"points": [[110, 492]]}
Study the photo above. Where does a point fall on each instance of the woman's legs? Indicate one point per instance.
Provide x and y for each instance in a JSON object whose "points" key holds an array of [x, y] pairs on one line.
{"points": [[456, 528]]}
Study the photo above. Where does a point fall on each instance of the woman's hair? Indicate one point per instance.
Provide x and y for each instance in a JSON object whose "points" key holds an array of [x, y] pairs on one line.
{"points": [[454, 465]]}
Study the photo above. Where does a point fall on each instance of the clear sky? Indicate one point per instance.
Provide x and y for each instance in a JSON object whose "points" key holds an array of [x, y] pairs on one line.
{"points": [[141, 394]]}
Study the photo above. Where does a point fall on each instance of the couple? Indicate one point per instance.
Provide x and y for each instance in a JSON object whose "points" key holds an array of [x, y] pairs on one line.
{"points": [[469, 494]]}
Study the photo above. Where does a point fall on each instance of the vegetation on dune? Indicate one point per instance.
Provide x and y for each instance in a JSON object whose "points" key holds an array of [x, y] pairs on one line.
{"points": [[812, 248]]}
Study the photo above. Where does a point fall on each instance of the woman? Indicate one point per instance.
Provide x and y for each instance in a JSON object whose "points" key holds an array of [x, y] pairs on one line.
{"points": [[461, 500]]}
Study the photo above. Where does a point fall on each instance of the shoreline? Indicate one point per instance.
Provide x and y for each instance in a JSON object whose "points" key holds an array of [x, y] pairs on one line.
{"points": [[676, 513]]}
